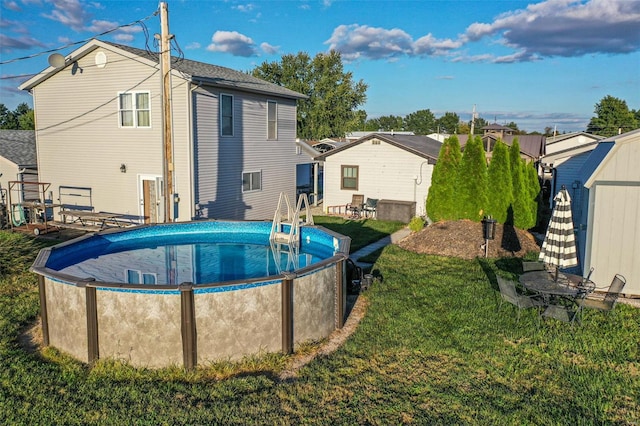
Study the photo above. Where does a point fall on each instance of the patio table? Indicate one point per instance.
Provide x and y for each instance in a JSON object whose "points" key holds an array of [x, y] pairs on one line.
{"points": [[559, 295], [544, 283]]}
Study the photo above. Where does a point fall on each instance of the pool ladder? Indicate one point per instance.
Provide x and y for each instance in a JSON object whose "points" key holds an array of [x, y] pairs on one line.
{"points": [[287, 231]]}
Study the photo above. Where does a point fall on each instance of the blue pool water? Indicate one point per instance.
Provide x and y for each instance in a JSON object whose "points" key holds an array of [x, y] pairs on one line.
{"points": [[196, 252]]}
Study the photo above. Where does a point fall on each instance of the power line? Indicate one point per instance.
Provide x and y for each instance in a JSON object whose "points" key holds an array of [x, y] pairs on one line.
{"points": [[140, 21]]}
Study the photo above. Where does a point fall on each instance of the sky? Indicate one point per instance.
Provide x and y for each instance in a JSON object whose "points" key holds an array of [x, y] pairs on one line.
{"points": [[539, 64]]}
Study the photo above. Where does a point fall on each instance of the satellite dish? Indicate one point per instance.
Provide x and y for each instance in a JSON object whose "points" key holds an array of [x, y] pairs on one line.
{"points": [[56, 60]]}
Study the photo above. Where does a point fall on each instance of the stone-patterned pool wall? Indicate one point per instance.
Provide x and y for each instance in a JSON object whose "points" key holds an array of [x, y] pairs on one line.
{"points": [[189, 325]]}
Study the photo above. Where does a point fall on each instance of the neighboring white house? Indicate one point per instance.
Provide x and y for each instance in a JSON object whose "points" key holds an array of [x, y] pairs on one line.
{"points": [[380, 166], [99, 128], [609, 219], [308, 172], [354, 136], [17, 161]]}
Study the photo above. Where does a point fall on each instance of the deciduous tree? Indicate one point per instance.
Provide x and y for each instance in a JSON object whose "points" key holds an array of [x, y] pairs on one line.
{"points": [[448, 123], [612, 116], [334, 96], [421, 122]]}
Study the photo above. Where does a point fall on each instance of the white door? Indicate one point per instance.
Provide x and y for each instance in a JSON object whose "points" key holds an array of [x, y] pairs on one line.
{"points": [[150, 190]]}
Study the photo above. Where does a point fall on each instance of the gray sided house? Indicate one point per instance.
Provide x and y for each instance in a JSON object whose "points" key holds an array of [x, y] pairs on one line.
{"points": [[561, 165], [608, 220], [380, 166], [17, 160], [99, 134]]}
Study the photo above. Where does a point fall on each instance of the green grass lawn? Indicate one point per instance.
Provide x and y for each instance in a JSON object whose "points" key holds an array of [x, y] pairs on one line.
{"points": [[431, 349], [362, 232]]}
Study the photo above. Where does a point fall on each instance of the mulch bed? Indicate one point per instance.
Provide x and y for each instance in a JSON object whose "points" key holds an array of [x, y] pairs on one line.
{"points": [[464, 239]]}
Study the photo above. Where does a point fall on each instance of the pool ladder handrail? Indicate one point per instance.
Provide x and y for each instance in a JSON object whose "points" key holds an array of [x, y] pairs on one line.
{"points": [[293, 220]]}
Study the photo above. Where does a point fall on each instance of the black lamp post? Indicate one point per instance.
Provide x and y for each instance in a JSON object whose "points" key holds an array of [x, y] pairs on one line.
{"points": [[488, 231]]}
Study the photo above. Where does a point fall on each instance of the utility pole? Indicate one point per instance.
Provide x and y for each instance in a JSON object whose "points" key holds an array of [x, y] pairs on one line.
{"points": [[473, 119], [167, 118]]}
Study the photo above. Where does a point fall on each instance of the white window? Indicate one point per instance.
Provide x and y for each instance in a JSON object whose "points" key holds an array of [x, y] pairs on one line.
{"points": [[226, 115], [134, 109], [272, 120], [251, 181], [138, 277]]}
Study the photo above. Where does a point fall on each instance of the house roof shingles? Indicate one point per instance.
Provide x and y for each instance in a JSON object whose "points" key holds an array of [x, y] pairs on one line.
{"points": [[18, 146], [197, 72], [421, 146], [532, 145], [216, 75]]}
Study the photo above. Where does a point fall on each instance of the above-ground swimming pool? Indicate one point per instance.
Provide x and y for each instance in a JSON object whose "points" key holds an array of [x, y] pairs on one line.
{"points": [[190, 293]]}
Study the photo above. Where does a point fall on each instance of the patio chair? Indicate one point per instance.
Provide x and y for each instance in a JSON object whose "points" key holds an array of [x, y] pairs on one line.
{"points": [[568, 309], [532, 266], [354, 208], [509, 293], [609, 302], [369, 207]]}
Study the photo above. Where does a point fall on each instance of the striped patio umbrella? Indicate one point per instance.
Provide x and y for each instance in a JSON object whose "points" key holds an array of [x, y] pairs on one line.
{"points": [[559, 245]]}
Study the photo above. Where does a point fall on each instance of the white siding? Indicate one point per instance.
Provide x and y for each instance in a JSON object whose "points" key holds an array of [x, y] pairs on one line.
{"points": [[615, 235], [613, 226], [9, 171], [80, 142], [220, 161], [385, 172]]}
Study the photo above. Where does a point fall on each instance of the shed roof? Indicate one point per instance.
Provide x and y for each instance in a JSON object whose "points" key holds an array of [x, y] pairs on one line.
{"points": [[605, 150], [197, 71], [422, 146], [18, 146]]}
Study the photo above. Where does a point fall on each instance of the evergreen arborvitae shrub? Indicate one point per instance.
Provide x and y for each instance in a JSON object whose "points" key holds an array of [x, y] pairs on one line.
{"points": [[500, 185], [521, 207], [535, 192], [441, 196], [472, 181]]}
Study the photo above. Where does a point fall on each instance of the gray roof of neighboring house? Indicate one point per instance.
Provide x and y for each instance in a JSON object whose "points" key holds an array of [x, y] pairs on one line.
{"points": [[18, 146], [558, 138], [217, 75], [421, 146], [532, 145], [496, 126]]}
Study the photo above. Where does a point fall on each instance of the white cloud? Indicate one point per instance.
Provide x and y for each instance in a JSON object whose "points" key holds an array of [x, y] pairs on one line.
{"points": [[361, 41], [193, 45], [12, 5], [269, 49], [123, 38], [244, 7], [232, 42], [566, 28], [69, 12]]}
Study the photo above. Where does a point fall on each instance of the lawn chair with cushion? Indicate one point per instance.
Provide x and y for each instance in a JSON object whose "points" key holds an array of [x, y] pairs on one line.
{"points": [[607, 304], [354, 208], [370, 207], [509, 293]]}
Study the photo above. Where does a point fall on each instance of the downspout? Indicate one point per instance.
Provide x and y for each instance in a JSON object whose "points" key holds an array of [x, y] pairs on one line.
{"points": [[415, 187], [192, 204]]}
